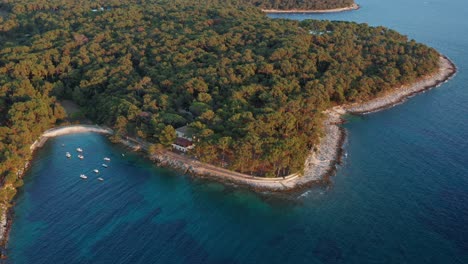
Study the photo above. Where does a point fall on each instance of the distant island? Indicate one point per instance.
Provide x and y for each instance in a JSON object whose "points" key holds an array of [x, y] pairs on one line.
{"points": [[310, 11], [227, 85], [302, 5]]}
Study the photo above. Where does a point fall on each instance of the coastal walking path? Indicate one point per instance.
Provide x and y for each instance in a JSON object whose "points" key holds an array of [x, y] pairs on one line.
{"points": [[189, 165]]}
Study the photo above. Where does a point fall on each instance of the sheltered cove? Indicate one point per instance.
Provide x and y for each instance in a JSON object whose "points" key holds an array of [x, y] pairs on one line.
{"points": [[6, 217], [320, 164]]}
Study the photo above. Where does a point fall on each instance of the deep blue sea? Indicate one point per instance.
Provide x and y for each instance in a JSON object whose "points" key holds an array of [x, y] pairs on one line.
{"points": [[401, 195]]}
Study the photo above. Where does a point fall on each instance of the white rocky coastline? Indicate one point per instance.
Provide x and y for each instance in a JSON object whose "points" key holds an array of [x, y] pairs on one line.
{"points": [[322, 161], [397, 96], [323, 158]]}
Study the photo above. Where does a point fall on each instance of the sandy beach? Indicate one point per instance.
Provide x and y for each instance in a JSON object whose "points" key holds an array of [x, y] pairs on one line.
{"points": [[334, 10]]}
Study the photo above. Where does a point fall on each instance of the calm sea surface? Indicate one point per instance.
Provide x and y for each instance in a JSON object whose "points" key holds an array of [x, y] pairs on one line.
{"points": [[401, 195]]}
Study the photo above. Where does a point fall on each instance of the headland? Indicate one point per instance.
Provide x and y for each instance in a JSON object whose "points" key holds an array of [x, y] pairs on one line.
{"points": [[320, 164]]}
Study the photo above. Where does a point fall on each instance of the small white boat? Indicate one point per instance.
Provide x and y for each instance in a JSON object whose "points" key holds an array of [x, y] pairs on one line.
{"points": [[96, 171], [105, 165], [82, 176], [107, 159], [80, 156], [79, 150], [123, 155], [101, 179], [68, 155]]}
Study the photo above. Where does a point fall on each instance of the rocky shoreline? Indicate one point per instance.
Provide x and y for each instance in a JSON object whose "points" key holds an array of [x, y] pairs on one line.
{"points": [[311, 11], [322, 161], [196, 168], [446, 71], [324, 158]]}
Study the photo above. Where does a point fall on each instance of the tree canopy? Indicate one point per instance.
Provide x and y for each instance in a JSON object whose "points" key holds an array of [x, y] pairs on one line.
{"points": [[251, 88]]}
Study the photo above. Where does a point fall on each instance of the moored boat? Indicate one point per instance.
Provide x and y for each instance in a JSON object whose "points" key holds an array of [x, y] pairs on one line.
{"points": [[80, 156], [79, 150], [82, 176], [96, 170], [101, 179], [107, 159], [105, 165], [68, 155]]}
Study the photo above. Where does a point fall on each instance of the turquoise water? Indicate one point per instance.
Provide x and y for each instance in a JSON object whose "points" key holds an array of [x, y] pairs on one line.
{"points": [[401, 195]]}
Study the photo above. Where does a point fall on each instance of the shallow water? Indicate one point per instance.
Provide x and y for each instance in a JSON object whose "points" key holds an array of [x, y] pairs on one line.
{"points": [[401, 195]]}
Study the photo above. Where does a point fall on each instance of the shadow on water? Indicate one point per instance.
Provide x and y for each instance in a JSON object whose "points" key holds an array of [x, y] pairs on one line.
{"points": [[448, 215]]}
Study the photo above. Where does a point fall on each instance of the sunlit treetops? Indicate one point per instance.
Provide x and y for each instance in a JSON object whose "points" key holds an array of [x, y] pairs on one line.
{"points": [[251, 88]]}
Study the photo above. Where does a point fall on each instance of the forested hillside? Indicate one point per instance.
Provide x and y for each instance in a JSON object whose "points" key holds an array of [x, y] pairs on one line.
{"points": [[299, 4], [252, 88]]}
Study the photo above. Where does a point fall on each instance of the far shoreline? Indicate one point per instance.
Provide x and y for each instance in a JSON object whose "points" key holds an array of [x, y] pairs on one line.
{"points": [[312, 11]]}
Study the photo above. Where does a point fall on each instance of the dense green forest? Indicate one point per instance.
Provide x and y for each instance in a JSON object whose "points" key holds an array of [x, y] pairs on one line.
{"points": [[251, 88], [298, 4]]}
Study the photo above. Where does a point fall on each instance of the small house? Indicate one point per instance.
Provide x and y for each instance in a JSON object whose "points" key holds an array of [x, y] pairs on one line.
{"points": [[182, 144], [184, 140]]}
